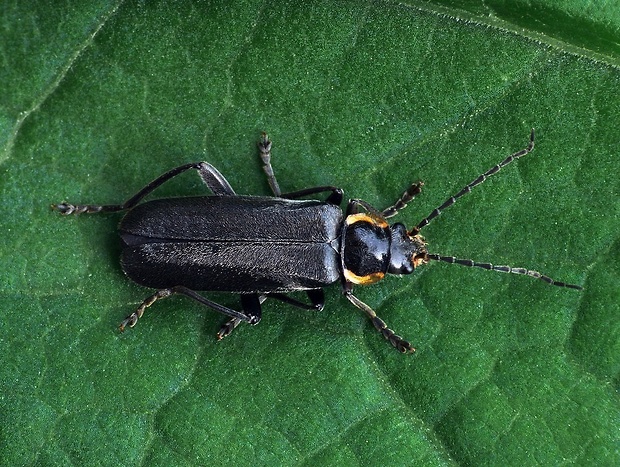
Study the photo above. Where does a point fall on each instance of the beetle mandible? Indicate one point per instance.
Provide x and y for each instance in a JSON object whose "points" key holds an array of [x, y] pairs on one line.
{"points": [[265, 247]]}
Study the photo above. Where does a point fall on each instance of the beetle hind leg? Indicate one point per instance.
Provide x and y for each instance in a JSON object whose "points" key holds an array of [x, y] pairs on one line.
{"points": [[398, 342], [210, 176], [133, 318]]}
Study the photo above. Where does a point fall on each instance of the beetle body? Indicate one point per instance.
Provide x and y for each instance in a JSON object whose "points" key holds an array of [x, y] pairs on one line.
{"points": [[267, 247], [238, 244]]}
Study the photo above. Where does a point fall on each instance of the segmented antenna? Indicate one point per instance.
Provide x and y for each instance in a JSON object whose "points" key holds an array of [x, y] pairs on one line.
{"points": [[509, 269], [492, 171], [408, 196]]}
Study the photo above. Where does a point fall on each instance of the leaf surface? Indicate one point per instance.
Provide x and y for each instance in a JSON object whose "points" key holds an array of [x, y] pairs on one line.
{"points": [[99, 99]]}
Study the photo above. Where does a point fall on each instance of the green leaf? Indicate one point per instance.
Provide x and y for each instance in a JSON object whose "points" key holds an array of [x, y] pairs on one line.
{"points": [[98, 99]]}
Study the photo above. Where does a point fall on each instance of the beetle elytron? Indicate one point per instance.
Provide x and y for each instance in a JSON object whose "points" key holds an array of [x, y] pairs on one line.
{"points": [[266, 247]]}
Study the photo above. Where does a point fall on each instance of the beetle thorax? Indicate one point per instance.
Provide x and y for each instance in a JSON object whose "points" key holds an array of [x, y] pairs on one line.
{"points": [[372, 248]]}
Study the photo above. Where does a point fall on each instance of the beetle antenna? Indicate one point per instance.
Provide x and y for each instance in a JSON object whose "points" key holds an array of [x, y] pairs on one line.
{"points": [[491, 267], [492, 171]]}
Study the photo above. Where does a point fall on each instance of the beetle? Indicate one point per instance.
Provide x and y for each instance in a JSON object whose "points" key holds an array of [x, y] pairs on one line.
{"points": [[266, 247]]}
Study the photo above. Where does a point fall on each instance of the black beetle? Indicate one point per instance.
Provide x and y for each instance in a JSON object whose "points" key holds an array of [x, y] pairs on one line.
{"points": [[266, 247]]}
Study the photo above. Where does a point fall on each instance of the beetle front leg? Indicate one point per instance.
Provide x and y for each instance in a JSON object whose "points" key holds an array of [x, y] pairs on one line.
{"points": [[398, 342], [133, 318], [211, 177]]}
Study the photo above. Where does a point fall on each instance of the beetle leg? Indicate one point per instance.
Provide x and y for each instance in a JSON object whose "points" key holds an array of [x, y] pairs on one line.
{"points": [[316, 296], [401, 344], [354, 208], [214, 180], [227, 328], [211, 177], [408, 196], [264, 146], [334, 198], [251, 304], [133, 318]]}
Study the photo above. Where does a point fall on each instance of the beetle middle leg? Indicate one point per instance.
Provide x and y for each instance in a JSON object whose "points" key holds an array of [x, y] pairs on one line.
{"points": [[264, 146], [211, 177], [132, 319], [316, 296]]}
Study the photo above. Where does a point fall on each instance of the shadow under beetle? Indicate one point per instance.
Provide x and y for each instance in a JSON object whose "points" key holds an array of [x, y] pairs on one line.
{"points": [[266, 247]]}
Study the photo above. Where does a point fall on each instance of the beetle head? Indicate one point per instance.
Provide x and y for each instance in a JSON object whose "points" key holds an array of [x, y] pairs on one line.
{"points": [[407, 251]]}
